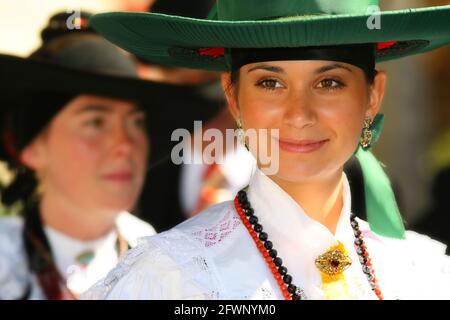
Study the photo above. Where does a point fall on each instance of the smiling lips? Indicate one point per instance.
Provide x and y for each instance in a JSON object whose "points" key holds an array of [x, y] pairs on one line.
{"points": [[123, 176], [301, 146]]}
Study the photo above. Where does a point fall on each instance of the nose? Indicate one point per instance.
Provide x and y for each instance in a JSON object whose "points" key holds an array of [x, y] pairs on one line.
{"points": [[299, 112]]}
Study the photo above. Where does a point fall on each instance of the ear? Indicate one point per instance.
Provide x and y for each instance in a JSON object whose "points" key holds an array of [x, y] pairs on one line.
{"points": [[230, 94], [377, 90], [33, 155]]}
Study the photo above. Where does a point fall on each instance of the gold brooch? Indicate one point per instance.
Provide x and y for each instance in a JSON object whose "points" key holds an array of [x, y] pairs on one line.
{"points": [[334, 261]]}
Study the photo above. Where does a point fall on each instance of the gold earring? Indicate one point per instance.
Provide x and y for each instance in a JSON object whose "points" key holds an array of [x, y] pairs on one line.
{"points": [[240, 132], [366, 138], [239, 123]]}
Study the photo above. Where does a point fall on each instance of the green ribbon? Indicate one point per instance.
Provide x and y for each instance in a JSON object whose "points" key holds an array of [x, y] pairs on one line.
{"points": [[383, 214]]}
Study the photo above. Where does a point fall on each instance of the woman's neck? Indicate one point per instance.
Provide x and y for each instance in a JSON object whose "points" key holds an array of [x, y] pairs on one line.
{"points": [[74, 221], [321, 199]]}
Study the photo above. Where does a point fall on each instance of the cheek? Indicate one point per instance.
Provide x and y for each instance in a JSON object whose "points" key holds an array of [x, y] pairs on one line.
{"points": [[89, 152], [260, 113], [73, 157], [141, 151], [344, 117]]}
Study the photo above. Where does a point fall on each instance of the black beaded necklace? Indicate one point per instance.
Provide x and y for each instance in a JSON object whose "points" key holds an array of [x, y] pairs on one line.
{"points": [[291, 291]]}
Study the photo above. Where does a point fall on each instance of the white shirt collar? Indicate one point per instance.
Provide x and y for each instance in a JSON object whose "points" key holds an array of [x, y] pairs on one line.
{"points": [[273, 205], [66, 250], [299, 239]]}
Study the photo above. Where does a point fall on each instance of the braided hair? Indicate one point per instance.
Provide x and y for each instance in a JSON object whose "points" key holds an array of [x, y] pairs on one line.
{"points": [[21, 122]]}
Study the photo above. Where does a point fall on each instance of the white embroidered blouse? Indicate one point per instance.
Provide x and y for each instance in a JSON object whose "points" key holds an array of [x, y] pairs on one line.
{"points": [[15, 276], [212, 256]]}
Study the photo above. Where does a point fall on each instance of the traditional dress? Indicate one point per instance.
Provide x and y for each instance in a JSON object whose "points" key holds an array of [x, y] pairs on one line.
{"points": [[80, 263], [213, 256], [224, 252]]}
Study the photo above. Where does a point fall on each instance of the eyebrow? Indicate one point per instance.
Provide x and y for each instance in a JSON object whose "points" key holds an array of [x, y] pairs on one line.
{"points": [[322, 69], [332, 67], [267, 68], [98, 108], [106, 109]]}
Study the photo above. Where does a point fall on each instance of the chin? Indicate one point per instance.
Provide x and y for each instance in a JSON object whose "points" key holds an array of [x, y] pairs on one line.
{"points": [[118, 209], [119, 203], [301, 171], [304, 167]]}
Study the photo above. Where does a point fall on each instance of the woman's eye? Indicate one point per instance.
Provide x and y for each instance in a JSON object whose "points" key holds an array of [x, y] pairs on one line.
{"points": [[95, 123], [270, 84], [330, 84], [140, 122]]}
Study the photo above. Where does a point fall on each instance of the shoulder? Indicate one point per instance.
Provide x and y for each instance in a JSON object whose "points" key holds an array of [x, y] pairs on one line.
{"points": [[129, 270], [415, 245], [133, 228], [415, 267], [175, 264], [11, 227], [218, 221], [160, 267], [13, 265]]}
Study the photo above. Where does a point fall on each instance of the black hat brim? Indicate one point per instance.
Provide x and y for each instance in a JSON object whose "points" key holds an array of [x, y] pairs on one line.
{"points": [[22, 75]]}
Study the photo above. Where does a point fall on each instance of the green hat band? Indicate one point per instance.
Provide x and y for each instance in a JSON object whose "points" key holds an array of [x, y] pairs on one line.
{"points": [[235, 10]]}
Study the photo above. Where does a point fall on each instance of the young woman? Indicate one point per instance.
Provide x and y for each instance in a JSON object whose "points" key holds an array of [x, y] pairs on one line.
{"points": [[306, 68], [77, 142]]}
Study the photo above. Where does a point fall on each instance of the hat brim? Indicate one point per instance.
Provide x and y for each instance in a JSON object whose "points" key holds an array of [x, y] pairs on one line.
{"points": [[178, 41], [23, 75]]}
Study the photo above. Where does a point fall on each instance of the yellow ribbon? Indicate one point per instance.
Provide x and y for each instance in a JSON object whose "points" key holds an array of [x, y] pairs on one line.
{"points": [[334, 284]]}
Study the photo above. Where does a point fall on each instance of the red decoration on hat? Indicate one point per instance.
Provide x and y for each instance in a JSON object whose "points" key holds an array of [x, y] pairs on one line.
{"points": [[212, 52], [81, 23], [386, 45], [84, 22]]}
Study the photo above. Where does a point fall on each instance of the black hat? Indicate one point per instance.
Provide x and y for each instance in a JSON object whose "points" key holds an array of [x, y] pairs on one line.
{"points": [[192, 8], [63, 23], [70, 63]]}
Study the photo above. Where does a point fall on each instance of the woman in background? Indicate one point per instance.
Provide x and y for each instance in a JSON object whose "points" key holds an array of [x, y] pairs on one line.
{"points": [[74, 133]]}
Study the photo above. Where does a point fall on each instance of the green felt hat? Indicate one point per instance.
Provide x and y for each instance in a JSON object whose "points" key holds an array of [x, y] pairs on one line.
{"points": [[203, 43], [206, 44]]}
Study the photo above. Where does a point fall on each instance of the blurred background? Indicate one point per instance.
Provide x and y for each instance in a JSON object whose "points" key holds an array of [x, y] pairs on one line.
{"points": [[414, 146]]}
